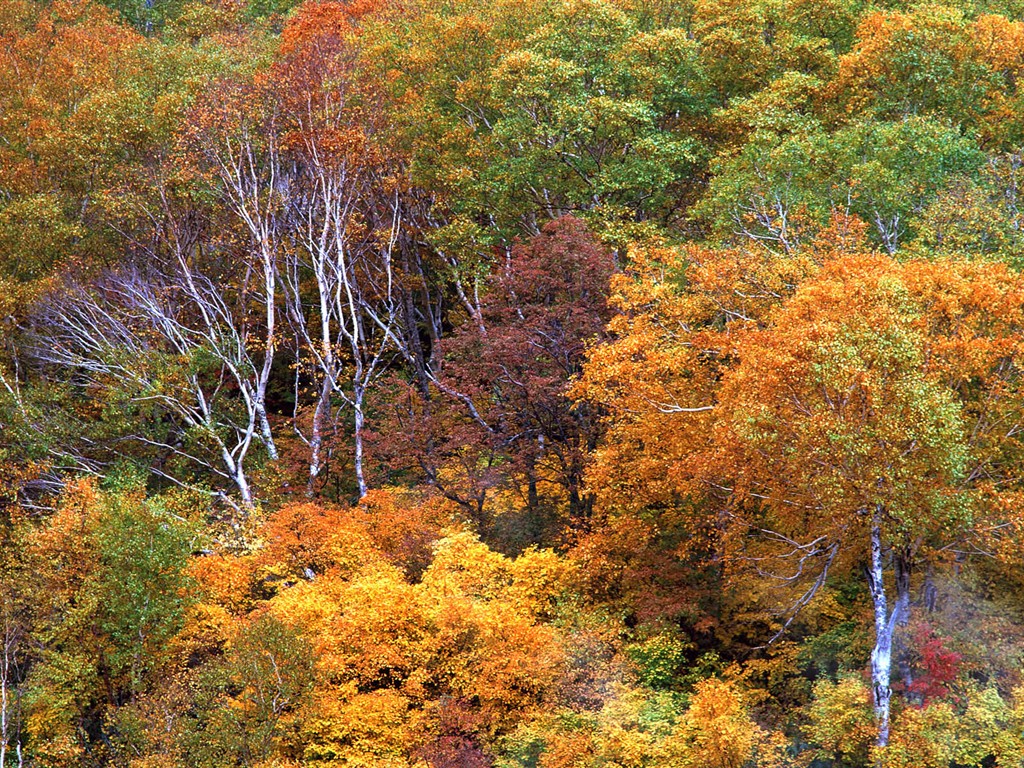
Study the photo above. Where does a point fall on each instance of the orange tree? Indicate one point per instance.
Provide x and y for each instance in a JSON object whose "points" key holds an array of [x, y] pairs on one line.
{"points": [[866, 415]]}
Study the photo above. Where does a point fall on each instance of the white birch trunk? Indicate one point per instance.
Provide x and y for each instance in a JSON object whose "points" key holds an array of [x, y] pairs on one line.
{"points": [[357, 407], [881, 654], [7, 674], [886, 623]]}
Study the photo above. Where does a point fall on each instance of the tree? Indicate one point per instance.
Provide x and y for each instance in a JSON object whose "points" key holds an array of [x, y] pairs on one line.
{"points": [[351, 650], [920, 62], [840, 720], [505, 372], [106, 571], [876, 407], [247, 701], [341, 277], [717, 730], [551, 109], [170, 341], [12, 664], [787, 182], [239, 147]]}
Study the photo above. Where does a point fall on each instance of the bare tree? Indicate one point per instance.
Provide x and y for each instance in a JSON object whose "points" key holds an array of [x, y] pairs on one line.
{"points": [[235, 136], [171, 340], [255, 189], [342, 295]]}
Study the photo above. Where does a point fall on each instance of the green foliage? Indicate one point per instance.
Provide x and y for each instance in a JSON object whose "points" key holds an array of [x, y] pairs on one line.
{"points": [[142, 591], [658, 659], [783, 186], [111, 569], [35, 233], [582, 112], [840, 722], [146, 15], [844, 646], [246, 702]]}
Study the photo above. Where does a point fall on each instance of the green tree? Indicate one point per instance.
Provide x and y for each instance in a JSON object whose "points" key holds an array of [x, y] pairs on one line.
{"points": [[108, 593]]}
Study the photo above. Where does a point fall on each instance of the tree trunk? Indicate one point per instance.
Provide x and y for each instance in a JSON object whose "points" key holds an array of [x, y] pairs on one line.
{"points": [[265, 430], [885, 622], [881, 654], [357, 402], [242, 483], [901, 615], [929, 592], [410, 331], [270, 296], [316, 440], [8, 728], [236, 471], [4, 706]]}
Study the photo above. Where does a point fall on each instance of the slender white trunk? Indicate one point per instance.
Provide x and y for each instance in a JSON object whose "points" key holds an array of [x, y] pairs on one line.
{"points": [[242, 483], [265, 431], [270, 296], [4, 738], [316, 440], [885, 624], [881, 654], [7, 674], [357, 401]]}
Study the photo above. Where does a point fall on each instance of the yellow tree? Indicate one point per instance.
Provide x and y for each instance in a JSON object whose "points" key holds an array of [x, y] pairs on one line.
{"points": [[342, 640], [718, 732]]}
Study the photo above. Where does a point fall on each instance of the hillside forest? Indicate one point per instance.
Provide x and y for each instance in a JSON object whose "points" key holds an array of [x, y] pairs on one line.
{"points": [[511, 384]]}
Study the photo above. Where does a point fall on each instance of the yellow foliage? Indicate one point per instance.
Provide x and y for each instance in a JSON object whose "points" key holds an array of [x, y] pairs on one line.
{"points": [[463, 565], [983, 730], [921, 738], [841, 719], [718, 732], [390, 653], [357, 729], [207, 629]]}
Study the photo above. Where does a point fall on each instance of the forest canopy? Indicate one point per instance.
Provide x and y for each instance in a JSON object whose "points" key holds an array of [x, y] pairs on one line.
{"points": [[511, 383]]}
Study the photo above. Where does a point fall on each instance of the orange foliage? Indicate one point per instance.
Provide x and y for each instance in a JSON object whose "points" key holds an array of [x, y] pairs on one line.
{"points": [[709, 346], [401, 668], [224, 580]]}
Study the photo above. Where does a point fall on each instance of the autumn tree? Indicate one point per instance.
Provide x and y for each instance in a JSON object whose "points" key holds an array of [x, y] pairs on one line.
{"points": [[341, 275], [503, 379], [108, 572], [13, 664], [564, 108], [862, 408], [350, 644], [237, 148], [717, 730]]}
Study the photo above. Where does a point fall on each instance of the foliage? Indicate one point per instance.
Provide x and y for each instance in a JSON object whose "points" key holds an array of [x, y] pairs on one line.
{"points": [[546, 383]]}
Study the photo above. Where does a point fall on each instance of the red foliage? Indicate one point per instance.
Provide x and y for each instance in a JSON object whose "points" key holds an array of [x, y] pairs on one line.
{"points": [[514, 363], [937, 665]]}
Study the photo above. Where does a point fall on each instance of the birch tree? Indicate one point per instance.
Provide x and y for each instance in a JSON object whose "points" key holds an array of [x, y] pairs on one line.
{"points": [[346, 220], [172, 341], [235, 142], [11, 638]]}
